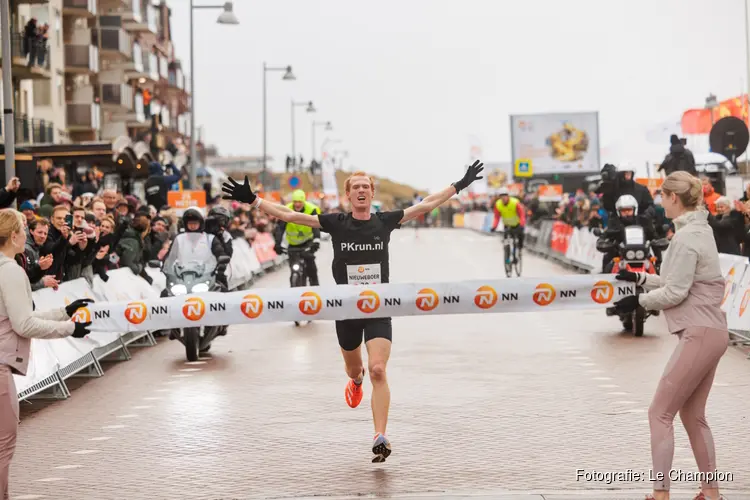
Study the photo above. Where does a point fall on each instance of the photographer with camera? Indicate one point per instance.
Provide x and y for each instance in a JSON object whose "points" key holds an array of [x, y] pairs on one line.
{"points": [[217, 223], [158, 183]]}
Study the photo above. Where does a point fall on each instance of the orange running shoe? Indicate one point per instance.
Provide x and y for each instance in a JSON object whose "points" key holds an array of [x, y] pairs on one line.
{"points": [[354, 392]]}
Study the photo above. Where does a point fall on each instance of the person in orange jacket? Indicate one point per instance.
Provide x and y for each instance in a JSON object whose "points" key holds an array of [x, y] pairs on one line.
{"points": [[709, 195]]}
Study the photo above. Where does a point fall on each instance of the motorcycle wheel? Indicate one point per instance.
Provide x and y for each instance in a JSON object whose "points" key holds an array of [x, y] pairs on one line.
{"points": [[639, 318], [192, 338], [205, 349]]}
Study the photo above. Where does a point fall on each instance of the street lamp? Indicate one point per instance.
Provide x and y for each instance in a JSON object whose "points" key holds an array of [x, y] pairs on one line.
{"points": [[711, 103], [288, 75], [226, 17], [310, 109], [328, 128]]}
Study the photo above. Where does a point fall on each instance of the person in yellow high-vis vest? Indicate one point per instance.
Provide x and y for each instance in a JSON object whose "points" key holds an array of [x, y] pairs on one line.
{"points": [[513, 214], [291, 236]]}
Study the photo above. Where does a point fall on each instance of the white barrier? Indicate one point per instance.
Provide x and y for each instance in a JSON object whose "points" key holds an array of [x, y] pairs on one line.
{"points": [[48, 357], [351, 302]]}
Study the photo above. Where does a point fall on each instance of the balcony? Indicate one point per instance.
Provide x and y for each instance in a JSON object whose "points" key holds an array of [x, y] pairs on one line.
{"points": [[145, 23], [176, 79], [117, 95], [132, 14], [134, 69], [79, 8], [39, 70], [116, 43], [83, 117], [81, 59], [31, 131]]}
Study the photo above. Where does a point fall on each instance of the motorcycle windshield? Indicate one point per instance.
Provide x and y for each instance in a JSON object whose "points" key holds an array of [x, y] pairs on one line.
{"points": [[634, 236], [190, 254]]}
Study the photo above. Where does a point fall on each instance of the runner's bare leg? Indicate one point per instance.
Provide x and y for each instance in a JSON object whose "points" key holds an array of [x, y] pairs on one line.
{"points": [[353, 363], [378, 353]]}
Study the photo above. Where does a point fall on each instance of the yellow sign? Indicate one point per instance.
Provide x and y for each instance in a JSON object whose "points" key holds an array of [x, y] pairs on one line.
{"points": [[524, 168]]}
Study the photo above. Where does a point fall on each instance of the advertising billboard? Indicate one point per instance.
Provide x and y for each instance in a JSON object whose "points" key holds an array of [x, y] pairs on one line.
{"points": [[557, 143]]}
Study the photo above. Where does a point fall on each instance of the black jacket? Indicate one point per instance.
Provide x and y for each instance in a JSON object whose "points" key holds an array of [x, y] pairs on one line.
{"points": [[679, 158], [729, 231]]}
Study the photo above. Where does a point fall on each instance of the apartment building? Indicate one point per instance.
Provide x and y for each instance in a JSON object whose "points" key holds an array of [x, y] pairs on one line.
{"points": [[107, 67], [36, 64]]}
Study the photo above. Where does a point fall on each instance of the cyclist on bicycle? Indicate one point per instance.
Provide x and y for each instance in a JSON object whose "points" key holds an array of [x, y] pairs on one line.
{"points": [[513, 214], [299, 236]]}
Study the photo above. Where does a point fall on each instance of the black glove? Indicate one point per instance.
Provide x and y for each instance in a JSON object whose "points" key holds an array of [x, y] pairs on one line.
{"points": [[625, 275], [627, 304], [148, 278], [314, 247], [472, 174], [238, 192], [278, 249], [82, 329], [71, 308]]}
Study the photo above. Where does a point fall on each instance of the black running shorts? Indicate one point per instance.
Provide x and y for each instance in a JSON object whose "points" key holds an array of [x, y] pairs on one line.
{"points": [[351, 331]]}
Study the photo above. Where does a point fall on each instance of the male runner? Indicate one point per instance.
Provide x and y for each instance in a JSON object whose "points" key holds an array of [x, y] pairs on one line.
{"points": [[360, 239]]}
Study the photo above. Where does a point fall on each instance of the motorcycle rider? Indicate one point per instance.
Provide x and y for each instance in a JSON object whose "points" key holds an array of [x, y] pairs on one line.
{"points": [[193, 222], [217, 223], [627, 215], [513, 214], [297, 236]]}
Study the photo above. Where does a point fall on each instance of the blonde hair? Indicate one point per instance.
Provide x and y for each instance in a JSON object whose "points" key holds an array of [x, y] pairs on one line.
{"points": [[348, 183], [688, 189], [11, 222]]}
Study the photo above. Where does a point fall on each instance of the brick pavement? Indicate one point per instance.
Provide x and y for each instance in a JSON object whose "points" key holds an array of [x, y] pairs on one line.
{"points": [[481, 403]]}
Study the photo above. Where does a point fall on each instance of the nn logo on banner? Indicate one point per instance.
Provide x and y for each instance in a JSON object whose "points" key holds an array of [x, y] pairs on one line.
{"points": [[486, 297], [368, 302], [602, 292], [136, 313]]}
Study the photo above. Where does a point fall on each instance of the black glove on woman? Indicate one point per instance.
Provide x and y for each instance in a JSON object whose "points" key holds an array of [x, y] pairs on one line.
{"points": [[71, 308], [82, 329], [627, 305], [472, 174]]}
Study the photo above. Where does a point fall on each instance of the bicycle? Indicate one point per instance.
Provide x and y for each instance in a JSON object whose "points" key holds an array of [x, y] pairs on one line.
{"points": [[298, 266], [511, 258]]}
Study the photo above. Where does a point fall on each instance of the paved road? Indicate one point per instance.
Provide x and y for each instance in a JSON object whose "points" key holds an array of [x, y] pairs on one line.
{"points": [[482, 404]]}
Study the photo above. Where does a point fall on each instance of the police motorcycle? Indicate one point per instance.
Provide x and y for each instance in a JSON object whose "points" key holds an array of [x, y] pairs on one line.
{"points": [[634, 253], [191, 268]]}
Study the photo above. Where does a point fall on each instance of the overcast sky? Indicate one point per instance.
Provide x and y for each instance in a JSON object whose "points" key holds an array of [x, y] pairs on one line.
{"points": [[407, 83]]}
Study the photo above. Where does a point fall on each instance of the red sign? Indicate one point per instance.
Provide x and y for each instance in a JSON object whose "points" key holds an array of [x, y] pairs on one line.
{"points": [[561, 234], [263, 245]]}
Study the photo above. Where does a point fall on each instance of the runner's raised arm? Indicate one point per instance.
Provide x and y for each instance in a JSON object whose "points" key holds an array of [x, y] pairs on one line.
{"points": [[435, 200], [244, 194]]}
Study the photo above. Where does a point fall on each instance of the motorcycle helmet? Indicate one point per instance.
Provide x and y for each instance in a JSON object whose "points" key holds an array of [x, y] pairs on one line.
{"points": [[627, 202], [193, 214], [221, 215]]}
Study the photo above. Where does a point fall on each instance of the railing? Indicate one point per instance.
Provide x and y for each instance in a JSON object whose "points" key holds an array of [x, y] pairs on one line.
{"points": [[83, 115], [82, 56], [118, 94], [31, 131], [89, 5], [24, 48], [113, 39]]}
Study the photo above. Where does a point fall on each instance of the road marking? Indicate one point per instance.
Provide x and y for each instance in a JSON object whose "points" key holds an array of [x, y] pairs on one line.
{"points": [[152, 398], [190, 369], [195, 362], [602, 378], [162, 390], [129, 415], [50, 479], [142, 407], [29, 497], [609, 386], [114, 426], [100, 438], [181, 375], [69, 466], [84, 452]]}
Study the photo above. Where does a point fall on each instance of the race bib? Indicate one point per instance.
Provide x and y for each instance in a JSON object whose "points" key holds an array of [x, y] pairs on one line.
{"points": [[363, 274]]}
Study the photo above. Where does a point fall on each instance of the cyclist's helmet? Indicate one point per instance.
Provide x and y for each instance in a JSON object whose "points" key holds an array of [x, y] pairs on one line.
{"points": [[221, 214], [627, 202], [503, 192], [625, 166], [193, 214]]}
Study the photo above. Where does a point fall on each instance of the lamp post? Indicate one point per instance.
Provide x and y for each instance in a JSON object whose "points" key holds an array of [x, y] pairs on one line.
{"points": [[226, 17], [310, 109], [315, 124], [288, 75], [10, 140]]}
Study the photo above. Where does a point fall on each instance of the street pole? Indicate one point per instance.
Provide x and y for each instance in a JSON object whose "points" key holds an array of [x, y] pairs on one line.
{"points": [[294, 151], [10, 140], [313, 142], [747, 63], [263, 172], [193, 141]]}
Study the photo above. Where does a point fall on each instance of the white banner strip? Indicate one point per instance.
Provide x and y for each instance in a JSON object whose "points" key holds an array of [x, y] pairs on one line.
{"points": [[352, 302]]}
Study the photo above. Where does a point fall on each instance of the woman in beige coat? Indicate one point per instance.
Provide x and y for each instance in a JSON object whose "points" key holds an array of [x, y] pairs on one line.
{"points": [[689, 290], [19, 323]]}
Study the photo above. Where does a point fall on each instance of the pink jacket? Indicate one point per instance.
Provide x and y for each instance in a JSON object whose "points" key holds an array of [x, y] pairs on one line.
{"points": [[19, 323]]}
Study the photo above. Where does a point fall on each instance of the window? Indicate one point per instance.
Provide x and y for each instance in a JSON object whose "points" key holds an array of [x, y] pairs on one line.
{"points": [[60, 89], [58, 29]]}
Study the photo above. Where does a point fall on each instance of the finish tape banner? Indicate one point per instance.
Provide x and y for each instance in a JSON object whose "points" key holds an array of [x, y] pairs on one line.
{"points": [[338, 302]]}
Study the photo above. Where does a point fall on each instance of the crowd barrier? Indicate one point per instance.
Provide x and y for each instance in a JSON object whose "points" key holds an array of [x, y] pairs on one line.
{"points": [[53, 361], [577, 248]]}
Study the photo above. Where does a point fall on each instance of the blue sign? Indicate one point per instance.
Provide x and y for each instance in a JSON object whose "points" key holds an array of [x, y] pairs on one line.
{"points": [[294, 181]]}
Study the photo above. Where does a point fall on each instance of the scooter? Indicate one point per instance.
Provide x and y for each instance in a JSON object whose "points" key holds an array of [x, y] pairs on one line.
{"points": [[635, 255]]}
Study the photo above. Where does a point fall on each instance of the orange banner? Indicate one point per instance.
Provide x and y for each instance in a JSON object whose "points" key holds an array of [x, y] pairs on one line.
{"points": [[515, 189], [700, 121], [550, 191], [186, 199], [274, 196], [652, 183]]}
